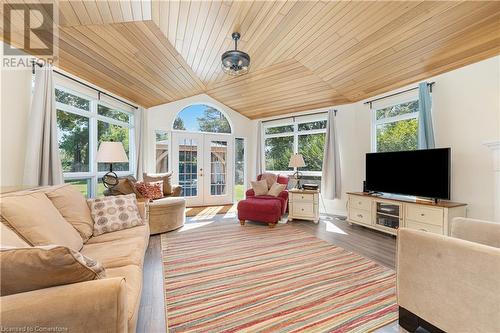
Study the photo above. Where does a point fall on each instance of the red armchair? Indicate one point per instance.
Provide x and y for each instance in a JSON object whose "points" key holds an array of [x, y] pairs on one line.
{"points": [[264, 208]]}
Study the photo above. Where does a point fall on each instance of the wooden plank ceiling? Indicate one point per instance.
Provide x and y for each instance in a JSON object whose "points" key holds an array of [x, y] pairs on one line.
{"points": [[304, 54]]}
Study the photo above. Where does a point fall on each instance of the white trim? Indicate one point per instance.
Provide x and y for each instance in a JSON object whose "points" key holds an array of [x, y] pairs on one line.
{"points": [[278, 135], [493, 145], [245, 162]]}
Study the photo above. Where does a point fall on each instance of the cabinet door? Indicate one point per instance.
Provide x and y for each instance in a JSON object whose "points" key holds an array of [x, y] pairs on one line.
{"points": [[360, 216], [358, 202], [304, 209], [424, 214]]}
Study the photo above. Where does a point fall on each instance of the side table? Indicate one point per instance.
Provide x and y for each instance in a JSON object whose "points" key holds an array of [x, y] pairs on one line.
{"points": [[304, 205]]}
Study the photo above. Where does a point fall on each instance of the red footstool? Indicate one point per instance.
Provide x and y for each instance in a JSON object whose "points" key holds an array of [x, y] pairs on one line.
{"points": [[261, 208]]}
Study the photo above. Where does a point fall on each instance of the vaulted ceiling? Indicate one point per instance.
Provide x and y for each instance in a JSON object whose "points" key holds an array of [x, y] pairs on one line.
{"points": [[304, 54]]}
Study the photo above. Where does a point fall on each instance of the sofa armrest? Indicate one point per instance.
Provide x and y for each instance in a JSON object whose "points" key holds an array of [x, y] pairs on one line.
{"points": [[92, 306], [451, 283], [479, 231], [142, 205], [250, 193], [284, 195]]}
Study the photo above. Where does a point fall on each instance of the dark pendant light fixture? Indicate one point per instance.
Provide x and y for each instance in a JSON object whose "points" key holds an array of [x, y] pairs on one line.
{"points": [[235, 62]]}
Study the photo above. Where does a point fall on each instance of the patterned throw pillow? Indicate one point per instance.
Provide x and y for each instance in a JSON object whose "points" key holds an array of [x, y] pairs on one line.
{"points": [[165, 177], [32, 268], [114, 213], [151, 190]]}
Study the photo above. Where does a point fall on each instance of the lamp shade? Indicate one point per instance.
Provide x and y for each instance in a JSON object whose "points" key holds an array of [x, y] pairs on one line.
{"points": [[296, 161], [111, 152]]}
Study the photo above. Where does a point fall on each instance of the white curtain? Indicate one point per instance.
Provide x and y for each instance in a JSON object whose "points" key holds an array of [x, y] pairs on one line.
{"points": [[258, 159], [425, 128], [330, 179], [140, 142], [42, 163]]}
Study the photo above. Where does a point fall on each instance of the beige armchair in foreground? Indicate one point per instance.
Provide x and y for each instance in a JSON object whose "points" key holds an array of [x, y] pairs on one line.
{"points": [[450, 283]]}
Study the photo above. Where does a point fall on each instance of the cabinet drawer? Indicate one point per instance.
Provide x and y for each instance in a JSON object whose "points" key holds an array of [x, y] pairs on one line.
{"points": [[360, 216], [423, 214], [307, 197], [303, 209], [360, 203], [424, 227]]}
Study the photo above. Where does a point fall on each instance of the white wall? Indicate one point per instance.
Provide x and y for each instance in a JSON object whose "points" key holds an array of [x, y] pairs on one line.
{"points": [[15, 99], [161, 117], [466, 113]]}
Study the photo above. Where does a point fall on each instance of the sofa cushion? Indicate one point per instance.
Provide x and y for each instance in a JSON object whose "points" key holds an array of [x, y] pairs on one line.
{"points": [[260, 187], [38, 221], [270, 178], [32, 268], [133, 282], [276, 189], [10, 238], [122, 251], [114, 213], [73, 207], [126, 185], [139, 232], [165, 177]]}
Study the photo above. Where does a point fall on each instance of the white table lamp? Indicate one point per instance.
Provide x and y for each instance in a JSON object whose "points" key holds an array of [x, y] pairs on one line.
{"points": [[111, 152], [297, 161]]}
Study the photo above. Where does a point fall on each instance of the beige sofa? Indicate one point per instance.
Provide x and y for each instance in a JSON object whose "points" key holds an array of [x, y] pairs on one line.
{"points": [[450, 283], [106, 305]]}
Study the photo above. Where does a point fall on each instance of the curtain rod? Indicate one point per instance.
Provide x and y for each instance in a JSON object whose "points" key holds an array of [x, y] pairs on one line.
{"points": [[302, 115], [99, 92], [398, 93]]}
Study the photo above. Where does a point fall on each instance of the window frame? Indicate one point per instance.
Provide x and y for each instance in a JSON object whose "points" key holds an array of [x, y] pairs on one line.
{"points": [[375, 122], [245, 172], [168, 133], [93, 174], [295, 121]]}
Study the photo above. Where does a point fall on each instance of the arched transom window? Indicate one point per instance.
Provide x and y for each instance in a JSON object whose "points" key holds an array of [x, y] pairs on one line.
{"points": [[201, 118]]}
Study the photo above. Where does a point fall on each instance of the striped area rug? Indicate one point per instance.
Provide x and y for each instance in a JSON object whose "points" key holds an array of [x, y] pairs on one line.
{"points": [[222, 277]]}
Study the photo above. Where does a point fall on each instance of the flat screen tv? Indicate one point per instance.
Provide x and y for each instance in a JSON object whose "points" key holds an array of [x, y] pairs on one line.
{"points": [[421, 173]]}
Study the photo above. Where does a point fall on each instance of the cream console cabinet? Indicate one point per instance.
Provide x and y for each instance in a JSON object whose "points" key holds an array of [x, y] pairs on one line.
{"points": [[388, 213]]}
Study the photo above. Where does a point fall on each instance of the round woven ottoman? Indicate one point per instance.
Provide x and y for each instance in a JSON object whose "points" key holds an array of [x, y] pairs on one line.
{"points": [[166, 214]]}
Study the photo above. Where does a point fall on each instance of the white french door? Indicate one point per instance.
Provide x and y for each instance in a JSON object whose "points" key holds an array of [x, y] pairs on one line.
{"points": [[203, 166]]}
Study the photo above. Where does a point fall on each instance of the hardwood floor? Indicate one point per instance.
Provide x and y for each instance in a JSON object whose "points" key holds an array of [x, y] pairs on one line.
{"points": [[369, 243]]}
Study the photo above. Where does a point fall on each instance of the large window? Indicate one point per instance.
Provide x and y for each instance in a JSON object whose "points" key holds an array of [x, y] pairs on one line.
{"points": [[395, 127], [305, 136], [201, 118], [83, 122]]}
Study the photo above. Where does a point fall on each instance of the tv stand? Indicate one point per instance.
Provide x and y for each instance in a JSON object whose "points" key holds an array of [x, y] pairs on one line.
{"points": [[387, 213]]}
